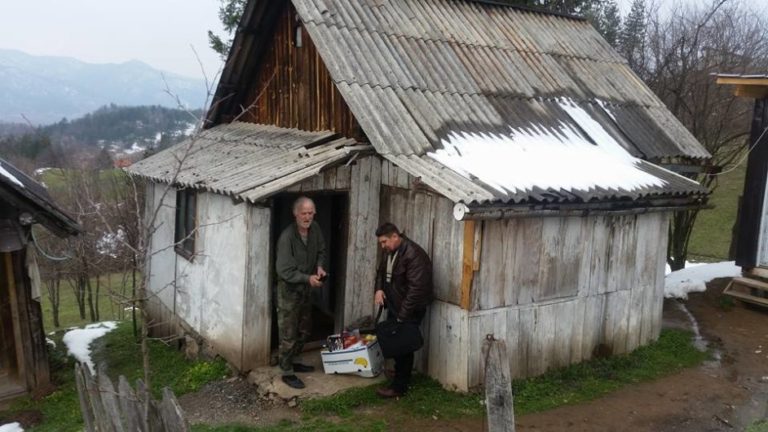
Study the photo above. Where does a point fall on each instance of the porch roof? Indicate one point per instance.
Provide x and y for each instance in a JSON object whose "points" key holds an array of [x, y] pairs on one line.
{"points": [[247, 161], [23, 192]]}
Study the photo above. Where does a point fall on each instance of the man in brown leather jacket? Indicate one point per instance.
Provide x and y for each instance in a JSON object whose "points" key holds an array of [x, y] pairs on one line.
{"points": [[404, 284]]}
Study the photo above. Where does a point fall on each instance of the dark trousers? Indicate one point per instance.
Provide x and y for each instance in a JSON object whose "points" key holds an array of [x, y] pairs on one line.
{"points": [[403, 370], [403, 365]]}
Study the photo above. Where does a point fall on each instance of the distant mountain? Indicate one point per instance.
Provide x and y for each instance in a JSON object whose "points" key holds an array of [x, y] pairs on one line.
{"points": [[47, 89]]}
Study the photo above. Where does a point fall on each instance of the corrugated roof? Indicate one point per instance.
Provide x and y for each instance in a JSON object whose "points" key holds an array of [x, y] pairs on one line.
{"points": [[245, 160], [25, 191], [472, 191], [409, 69], [416, 72]]}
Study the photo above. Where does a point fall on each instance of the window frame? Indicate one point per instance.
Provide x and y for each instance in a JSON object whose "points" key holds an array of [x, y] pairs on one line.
{"points": [[185, 225]]}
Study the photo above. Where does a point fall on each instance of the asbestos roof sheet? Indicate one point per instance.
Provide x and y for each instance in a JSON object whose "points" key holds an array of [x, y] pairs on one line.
{"points": [[471, 190], [247, 161], [569, 156], [412, 69]]}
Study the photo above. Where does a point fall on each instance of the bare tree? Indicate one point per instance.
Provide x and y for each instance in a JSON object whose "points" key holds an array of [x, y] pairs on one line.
{"points": [[683, 48]]}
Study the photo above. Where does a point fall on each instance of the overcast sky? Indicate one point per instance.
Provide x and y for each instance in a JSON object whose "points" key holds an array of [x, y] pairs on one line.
{"points": [[157, 32]]}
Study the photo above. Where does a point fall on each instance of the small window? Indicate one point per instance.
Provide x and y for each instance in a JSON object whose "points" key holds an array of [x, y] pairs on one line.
{"points": [[186, 222]]}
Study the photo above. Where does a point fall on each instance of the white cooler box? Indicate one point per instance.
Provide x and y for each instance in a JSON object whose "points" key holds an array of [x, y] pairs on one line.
{"points": [[366, 360]]}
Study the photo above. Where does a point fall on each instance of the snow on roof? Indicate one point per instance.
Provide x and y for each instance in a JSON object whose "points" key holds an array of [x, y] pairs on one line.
{"points": [[534, 156], [693, 279], [11, 177], [78, 341], [11, 427]]}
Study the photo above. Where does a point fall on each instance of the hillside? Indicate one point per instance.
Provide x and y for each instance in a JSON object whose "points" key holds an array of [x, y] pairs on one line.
{"points": [[123, 127], [120, 131], [46, 89]]}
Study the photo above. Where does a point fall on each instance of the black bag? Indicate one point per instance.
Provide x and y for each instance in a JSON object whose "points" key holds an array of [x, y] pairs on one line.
{"points": [[397, 338]]}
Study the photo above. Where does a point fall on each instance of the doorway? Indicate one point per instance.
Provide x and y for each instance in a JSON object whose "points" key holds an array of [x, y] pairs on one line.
{"points": [[9, 371], [331, 214]]}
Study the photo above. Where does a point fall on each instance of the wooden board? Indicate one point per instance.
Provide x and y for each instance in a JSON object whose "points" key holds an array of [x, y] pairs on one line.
{"points": [[257, 315], [364, 198]]}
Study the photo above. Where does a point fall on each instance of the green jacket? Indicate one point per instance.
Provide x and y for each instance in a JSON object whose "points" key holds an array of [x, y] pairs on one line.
{"points": [[295, 261]]}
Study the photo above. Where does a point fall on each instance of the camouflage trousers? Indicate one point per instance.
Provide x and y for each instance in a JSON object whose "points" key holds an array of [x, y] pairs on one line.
{"points": [[294, 322]]}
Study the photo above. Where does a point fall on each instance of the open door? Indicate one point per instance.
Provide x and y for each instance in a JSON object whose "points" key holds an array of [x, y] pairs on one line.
{"points": [[327, 302]]}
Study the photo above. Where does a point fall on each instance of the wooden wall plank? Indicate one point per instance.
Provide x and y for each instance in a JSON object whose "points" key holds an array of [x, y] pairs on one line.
{"points": [[257, 316], [448, 359], [447, 252], [489, 288], [295, 88], [362, 248]]}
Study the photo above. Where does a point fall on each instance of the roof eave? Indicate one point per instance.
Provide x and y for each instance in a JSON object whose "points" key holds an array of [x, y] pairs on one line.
{"points": [[462, 211]]}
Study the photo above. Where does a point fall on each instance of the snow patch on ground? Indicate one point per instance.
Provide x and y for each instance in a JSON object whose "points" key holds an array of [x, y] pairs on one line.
{"points": [[51, 343], [10, 176], [78, 341], [693, 279], [11, 427]]}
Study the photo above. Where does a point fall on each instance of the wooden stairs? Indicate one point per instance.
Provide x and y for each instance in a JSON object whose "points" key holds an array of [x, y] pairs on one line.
{"points": [[748, 290]]}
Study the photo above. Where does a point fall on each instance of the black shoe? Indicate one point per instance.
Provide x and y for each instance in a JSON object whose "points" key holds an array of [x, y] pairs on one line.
{"points": [[298, 367], [293, 381]]}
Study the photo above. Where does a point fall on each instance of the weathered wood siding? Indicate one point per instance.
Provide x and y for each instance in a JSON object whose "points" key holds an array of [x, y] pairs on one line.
{"points": [[556, 288], [426, 218], [364, 200], [26, 314], [292, 87], [257, 319]]}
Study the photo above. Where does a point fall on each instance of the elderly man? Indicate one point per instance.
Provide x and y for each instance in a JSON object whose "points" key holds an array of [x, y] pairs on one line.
{"points": [[300, 263], [404, 284]]}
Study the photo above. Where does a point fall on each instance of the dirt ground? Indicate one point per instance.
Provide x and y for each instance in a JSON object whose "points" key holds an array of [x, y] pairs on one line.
{"points": [[725, 394]]}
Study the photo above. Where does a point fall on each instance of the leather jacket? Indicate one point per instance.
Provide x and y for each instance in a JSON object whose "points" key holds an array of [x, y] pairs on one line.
{"points": [[410, 290]]}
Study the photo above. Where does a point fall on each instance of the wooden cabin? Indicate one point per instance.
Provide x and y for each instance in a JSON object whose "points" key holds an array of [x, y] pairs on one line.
{"points": [[23, 356], [516, 146], [752, 226]]}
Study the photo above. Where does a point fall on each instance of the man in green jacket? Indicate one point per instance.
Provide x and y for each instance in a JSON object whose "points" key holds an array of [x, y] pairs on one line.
{"points": [[300, 265]]}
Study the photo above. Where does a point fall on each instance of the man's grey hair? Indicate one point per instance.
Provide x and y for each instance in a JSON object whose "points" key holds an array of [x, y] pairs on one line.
{"points": [[300, 201]]}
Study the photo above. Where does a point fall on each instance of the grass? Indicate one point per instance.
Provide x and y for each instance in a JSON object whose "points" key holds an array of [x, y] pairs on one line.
{"points": [[759, 426], [711, 237], [69, 315], [360, 409], [61, 411]]}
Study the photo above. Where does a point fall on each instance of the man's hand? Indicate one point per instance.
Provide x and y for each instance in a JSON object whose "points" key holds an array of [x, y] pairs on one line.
{"points": [[379, 297], [315, 282], [320, 272]]}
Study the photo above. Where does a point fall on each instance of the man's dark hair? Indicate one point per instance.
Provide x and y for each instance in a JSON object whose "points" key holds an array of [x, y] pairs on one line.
{"points": [[387, 229]]}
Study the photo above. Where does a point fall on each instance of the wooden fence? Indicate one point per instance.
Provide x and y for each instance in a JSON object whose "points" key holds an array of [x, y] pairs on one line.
{"points": [[105, 409]]}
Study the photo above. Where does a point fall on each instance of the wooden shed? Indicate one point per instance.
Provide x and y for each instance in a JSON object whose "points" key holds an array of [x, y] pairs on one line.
{"points": [[514, 145], [23, 356], [752, 226]]}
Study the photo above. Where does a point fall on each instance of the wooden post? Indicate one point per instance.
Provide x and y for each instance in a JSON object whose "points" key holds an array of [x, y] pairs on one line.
{"points": [[498, 387], [467, 265]]}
